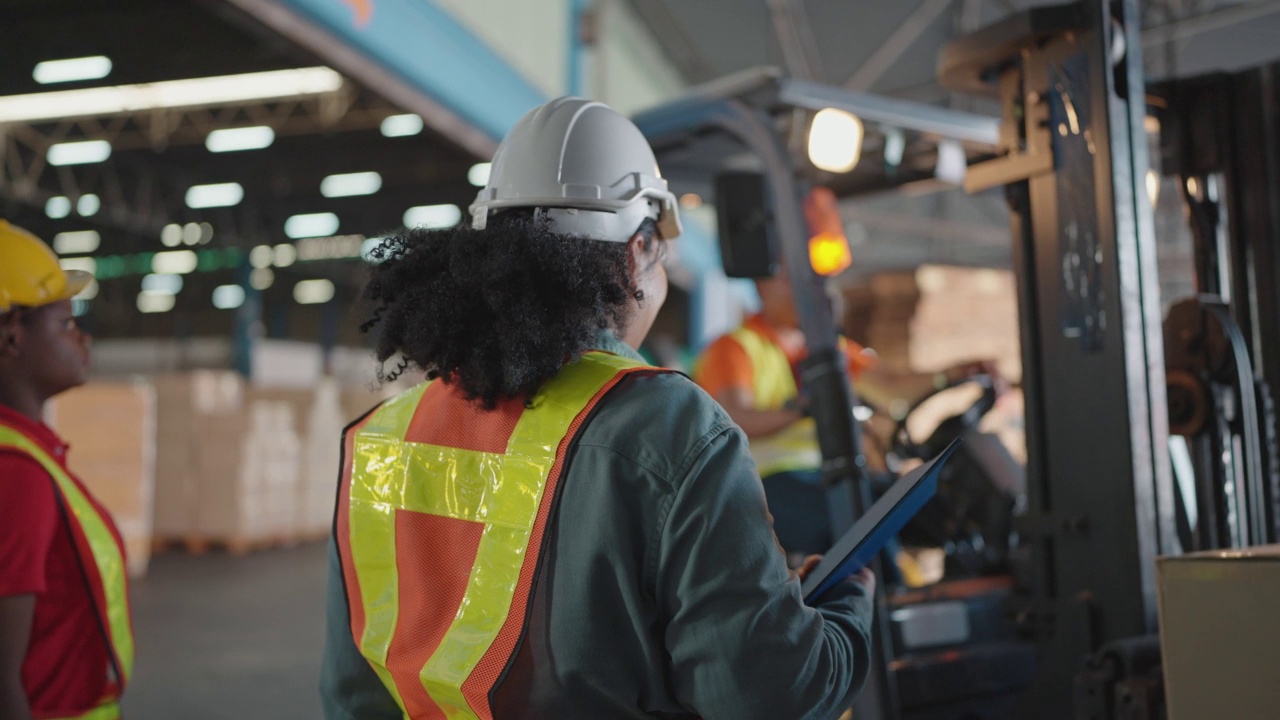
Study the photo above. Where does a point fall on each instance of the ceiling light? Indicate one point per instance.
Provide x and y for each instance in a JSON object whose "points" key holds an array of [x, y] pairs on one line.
{"points": [[155, 302], [262, 278], [79, 153], [285, 255], [171, 235], [88, 205], [835, 140], [94, 67], [478, 175], [313, 292], [79, 242], [215, 195], [85, 264], [206, 233], [311, 225], [195, 92], [89, 292], [57, 207], [895, 146], [432, 216], [174, 262], [190, 233], [228, 297], [367, 248], [1153, 188], [162, 284], [401, 125], [254, 137], [351, 184], [330, 248], [261, 256]]}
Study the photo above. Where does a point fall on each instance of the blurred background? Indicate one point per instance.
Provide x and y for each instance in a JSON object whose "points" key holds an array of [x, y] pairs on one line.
{"points": [[224, 166]]}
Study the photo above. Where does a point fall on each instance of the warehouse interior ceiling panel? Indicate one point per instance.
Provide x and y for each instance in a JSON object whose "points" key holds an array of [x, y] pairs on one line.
{"points": [[126, 152]]}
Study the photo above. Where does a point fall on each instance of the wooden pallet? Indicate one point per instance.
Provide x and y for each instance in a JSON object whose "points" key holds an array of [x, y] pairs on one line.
{"points": [[238, 547]]}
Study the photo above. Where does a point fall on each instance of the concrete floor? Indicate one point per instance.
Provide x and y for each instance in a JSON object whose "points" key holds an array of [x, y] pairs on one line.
{"points": [[221, 637]]}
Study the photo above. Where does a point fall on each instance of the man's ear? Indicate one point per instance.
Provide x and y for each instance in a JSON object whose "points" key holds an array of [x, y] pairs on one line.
{"points": [[11, 330]]}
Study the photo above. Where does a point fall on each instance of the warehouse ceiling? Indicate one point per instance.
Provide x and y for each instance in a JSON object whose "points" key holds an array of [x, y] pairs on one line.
{"points": [[157, 155], [891, 48]]}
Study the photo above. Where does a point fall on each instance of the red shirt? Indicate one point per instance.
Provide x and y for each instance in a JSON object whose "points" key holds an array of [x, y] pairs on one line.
{"points": [[66, 668]]}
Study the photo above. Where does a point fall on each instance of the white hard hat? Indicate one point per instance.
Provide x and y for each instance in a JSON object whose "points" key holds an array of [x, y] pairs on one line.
{"points": [[586, 167]]}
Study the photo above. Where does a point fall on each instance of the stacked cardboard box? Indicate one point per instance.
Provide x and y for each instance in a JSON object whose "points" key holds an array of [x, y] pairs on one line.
{"points": [[111, 428]]}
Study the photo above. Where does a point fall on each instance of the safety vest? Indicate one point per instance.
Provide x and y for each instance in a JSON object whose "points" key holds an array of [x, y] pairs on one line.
{"points": [[795, 447], [441, 521], [102, 564]]}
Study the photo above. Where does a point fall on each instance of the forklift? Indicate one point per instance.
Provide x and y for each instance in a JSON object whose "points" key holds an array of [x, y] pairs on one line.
{"points": [[1118, 396]]}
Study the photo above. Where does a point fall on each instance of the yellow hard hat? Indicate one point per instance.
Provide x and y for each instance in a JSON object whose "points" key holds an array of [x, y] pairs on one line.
{"points": [[29, 272]]}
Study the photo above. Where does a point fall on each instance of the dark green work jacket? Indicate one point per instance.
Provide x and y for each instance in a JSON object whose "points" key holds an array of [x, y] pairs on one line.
{"points": [[663, 594]]}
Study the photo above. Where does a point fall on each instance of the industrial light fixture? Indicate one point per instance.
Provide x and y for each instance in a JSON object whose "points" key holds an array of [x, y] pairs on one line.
{"points": [[313, 292], [478, 175], [88, 205], [432, 216], [155, 302], [80, 152], [194, 92], [191, 233], [835, 140], [206, 233], [285, 255], [174, 262], [401, 125], [84, 264], [94, 67], [330, 248], [57, 207], [261, 256], [79, 242], [254, 137], [311, 225], [351, 184], [228, 297], [261, 278], [171, 235], [214, 195], [162, 284]]}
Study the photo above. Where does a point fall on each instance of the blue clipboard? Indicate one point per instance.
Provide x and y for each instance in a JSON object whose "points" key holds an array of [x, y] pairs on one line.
{"points": [[882, 521]]}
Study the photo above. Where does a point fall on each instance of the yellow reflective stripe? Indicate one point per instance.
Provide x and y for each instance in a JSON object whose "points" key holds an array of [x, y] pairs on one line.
{"points": [[372, 533], [796, 446], [504, 492], [531, 452], [102, 544], [106, 711], [773, 381]]}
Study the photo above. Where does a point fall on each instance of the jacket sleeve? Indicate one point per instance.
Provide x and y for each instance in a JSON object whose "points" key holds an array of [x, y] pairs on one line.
{"points": [[349, 688], [742, 642]]}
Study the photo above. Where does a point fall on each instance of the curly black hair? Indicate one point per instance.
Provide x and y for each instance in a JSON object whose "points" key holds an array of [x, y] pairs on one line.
{"points": [[498, 311]]}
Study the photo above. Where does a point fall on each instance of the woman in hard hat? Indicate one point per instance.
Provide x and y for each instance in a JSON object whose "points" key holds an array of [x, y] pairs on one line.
{"points": [[552, 528], [66, 639]]}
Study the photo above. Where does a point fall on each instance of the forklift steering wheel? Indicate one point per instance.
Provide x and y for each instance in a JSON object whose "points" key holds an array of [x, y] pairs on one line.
{"points": [[905, 446]]}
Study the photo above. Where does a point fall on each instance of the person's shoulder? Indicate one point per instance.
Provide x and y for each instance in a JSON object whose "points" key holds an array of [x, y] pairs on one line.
{"points": [[25, 486], [658, 419]]}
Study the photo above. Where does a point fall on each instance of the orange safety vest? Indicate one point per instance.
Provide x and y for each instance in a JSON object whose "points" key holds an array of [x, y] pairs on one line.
{"points": [[441, 524], [103, 566]]}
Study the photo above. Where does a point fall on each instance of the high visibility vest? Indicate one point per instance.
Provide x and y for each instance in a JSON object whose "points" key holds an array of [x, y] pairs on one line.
{"points": [[441, 524], [795, 447], [102, 564]]}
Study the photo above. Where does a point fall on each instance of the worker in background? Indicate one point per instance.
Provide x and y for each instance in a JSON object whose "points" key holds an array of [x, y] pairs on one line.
{"points": [[552, 528], [66, 638], [753, 372]]}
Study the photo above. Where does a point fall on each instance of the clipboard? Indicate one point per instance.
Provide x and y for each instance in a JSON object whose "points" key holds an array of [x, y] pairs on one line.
{"points": [[882, 521]]}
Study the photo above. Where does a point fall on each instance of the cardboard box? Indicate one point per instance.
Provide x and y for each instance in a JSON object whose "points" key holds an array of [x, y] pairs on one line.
{"points": [[1220, 634], [111, 427]]}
